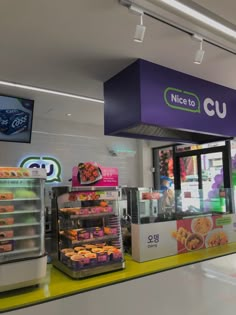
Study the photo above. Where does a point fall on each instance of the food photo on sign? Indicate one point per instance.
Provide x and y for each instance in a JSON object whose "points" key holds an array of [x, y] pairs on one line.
{"points": [[93, 174], [88, 173]]}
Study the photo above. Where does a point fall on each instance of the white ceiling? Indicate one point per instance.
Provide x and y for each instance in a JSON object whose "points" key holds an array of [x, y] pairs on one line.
{"points": [[75, 45]]}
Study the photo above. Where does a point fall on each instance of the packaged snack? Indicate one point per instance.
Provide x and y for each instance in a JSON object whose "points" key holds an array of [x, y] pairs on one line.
{"points": [[66, 259], [115, 254], [6, 234], [102, 257], [83, 234], [79, 261], [6, 195], [104, 209], [110, 230], [6, 221], [109, 209], [6, 246], [92, 257], [13, 121], [4, 209], [83, 211], [63, 253], [97, 232]]}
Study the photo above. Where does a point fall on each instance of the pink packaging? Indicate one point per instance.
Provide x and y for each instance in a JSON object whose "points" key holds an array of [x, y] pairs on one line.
{"points": [[102, 257], [84, 211], [83, 234], [6, 246], [6, 221], [95, 210], [6, 234], [97, 232], [110, 230]]}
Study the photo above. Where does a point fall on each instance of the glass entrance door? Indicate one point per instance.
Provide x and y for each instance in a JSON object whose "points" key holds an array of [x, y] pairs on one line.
{"points": [[189, 182], [203, 180]]}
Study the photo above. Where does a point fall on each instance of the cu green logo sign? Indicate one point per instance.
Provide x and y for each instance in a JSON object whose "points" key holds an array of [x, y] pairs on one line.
{"points": [[52, 166]]}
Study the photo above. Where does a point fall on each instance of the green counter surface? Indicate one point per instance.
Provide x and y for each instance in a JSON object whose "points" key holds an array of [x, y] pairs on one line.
{"points": [[57, 285]]}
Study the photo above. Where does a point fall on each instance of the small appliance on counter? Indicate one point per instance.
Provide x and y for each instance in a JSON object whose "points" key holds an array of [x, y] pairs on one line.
{"points": [[22, 255]]}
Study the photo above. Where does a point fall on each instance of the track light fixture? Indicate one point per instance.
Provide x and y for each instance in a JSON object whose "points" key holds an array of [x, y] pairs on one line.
{"points": [[139, 31], [200, 52], [140, 28]]}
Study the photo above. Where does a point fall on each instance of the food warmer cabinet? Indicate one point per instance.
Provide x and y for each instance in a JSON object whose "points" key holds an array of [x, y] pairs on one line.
{"points": [[22, 256], [87, 228]]}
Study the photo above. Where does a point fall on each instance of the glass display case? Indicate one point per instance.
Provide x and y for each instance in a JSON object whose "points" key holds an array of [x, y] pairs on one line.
{"points": [[22, 254], [88, 231], [170, 222], [150, 205]]}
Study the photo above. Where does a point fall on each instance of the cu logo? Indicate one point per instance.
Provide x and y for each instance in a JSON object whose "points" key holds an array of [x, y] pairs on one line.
{"points": [[213, 108], [50, 164]]}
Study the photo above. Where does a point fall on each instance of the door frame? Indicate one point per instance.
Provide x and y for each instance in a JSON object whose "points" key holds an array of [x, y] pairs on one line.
{"points": [[227, 168]]}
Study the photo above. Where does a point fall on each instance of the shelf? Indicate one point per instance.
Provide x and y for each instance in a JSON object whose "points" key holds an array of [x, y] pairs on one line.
{"points": [[89, 216], [19, 212], [8, 255], [87, 272], [91, 240], [20, 199], [19, 238], [19, 225]]}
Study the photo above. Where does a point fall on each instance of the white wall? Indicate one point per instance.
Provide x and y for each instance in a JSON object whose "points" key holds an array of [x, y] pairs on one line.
{"points": [[72, 143]]}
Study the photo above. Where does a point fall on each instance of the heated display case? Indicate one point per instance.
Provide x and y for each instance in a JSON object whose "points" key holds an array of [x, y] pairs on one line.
{"points": [[169, 222], [88, 232], [22, 255]]}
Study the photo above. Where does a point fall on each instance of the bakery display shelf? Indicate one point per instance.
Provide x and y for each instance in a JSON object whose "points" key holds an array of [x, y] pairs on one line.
{"points": [[19, 212], [19, 238], [20, 199], [88, 216], [90, 240], [19, 225], [88, 272]]}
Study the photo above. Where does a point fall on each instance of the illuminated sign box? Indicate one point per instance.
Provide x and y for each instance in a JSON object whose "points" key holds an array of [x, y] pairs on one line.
{"points": [[50, 164]]}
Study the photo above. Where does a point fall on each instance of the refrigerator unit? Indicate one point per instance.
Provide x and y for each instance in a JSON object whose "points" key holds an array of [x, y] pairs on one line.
{"points": [[22, 255]]}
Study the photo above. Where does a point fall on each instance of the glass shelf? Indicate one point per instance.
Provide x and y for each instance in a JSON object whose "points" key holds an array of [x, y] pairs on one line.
{"points": [[19, 212], [19, 238], [88, 216], [90, 240], [19, 225], [20, 199]]}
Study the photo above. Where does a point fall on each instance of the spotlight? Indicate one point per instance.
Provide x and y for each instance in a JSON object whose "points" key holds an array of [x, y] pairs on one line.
{"points": [[140, 28], [139, 31], [200, 52]]}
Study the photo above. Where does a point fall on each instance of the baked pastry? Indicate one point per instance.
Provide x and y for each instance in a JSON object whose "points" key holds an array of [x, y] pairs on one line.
{"points": [[89, 246], [78, 248], [67, 250]]}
